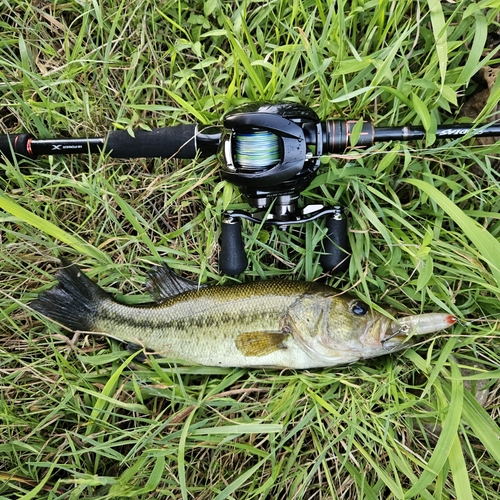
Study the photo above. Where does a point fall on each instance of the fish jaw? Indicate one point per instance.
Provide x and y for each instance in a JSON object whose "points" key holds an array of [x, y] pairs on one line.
{"points": [[397, 334]]}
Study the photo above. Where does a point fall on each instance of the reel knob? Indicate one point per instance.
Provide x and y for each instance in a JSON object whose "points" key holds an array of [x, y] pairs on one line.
{"points": [[232, 258], [336, 246]]}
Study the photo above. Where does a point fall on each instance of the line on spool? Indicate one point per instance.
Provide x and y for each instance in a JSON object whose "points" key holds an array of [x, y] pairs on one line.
{"points": [[257, 150]]}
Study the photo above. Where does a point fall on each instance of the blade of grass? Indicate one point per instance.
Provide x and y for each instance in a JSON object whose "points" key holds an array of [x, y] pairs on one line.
{"points": [[459, 471], [240, 481], [440, 36], [105, 398], [472, 65], [446, 440], [50, 229], [488, 245], [482, 425], [35, 492], [137, 222]]}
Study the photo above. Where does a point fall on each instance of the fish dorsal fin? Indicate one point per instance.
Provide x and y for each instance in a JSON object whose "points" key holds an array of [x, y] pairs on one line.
{"points": [[260, 343], [163, 283]]}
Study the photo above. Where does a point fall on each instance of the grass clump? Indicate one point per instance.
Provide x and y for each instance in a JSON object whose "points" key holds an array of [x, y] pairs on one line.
{"points": [[81, 419]]}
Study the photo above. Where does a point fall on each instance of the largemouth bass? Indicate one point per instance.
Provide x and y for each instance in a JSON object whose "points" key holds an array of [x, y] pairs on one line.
{"points": [[279, 324]]}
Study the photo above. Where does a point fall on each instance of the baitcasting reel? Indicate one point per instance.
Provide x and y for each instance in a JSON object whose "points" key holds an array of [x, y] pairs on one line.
{"points": [[272, 152]]}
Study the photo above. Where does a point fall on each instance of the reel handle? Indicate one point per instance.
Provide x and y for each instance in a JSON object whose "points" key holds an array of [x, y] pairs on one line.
{"points": [[232, 258], [336, 246]]}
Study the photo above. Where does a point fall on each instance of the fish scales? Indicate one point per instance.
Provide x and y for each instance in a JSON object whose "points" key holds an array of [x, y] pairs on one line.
{"points": [[196, 324], [279, 324]]}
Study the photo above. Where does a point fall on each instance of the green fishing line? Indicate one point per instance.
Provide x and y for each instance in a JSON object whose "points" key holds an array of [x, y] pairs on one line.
{"points": [[256, 150]]}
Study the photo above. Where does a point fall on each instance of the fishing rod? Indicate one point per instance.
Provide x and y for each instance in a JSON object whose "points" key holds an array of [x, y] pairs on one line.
{"points": [[272, 151]]}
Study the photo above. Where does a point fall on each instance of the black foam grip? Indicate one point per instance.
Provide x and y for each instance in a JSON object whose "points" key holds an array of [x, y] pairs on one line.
{"points": [[15, 145], [169, 142], [232, 258], [336, 246]]}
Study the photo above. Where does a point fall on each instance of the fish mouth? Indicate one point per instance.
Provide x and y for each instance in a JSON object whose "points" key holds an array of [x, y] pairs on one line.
{"points": [[397, 334]]}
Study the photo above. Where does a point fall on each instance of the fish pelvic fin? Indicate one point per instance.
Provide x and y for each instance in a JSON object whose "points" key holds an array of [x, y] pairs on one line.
{"points": [[163, 283], [74, 301], [133, 348], [261, 343]]}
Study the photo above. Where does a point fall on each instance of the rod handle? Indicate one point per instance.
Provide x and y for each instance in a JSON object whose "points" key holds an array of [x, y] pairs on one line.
{"points": [[232, 258], [169, 142], [336, 246], [13, 145]]}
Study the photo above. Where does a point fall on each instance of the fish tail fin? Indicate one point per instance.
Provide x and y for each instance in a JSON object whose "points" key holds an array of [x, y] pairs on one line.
{"points": [[74, 301]]}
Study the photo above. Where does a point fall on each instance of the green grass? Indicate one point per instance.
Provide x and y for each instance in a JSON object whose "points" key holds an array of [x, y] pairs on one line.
{"points": [[80, 419]]}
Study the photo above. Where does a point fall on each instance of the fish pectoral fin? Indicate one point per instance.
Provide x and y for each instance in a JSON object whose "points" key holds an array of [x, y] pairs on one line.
{"points": [[260, 343]]}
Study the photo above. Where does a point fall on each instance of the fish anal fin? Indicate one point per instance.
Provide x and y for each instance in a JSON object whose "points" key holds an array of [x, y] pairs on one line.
{"points": [[261, 343], [142, 356], [133, 348]]}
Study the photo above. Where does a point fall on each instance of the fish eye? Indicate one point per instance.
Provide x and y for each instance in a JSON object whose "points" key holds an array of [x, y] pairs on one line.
{"points": [[359, 309]]}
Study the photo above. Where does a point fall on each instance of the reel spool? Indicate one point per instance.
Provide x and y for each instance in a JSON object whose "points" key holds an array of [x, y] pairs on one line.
{"points": [[272, 152], [256, 151]]}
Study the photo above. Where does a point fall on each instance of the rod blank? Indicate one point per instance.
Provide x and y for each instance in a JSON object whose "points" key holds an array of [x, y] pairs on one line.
{"points": [[187, 141]]}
